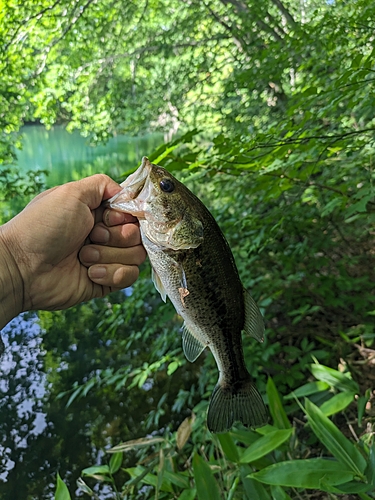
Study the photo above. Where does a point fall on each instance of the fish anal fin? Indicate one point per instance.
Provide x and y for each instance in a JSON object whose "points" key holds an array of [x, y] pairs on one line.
{"points": [[254, 324], [191, 345], [231, 404], [158, 284]]}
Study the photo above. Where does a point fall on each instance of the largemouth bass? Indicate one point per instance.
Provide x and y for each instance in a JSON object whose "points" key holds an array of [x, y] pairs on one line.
{"points": [[193, 265]]}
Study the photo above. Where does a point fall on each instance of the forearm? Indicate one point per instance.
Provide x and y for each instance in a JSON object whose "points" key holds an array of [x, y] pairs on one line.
{"points": [[11, 283]]}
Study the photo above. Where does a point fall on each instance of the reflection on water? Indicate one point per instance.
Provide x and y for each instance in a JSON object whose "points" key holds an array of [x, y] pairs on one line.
{"points": [[38, 435], [69, 156]]}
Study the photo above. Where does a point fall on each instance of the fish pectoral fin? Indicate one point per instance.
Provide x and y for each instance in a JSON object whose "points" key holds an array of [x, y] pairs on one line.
{"points": [[191, 345], [240, 403], [158, 284], [254, 324]]}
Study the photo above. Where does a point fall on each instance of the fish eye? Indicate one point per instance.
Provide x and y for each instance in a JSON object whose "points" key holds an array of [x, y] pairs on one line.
{"points": [[166, 185]]}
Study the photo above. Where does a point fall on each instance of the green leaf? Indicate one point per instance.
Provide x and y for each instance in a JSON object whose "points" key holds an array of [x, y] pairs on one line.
{"points": [[331, 205], [304, 473], [62, 492], [265, 445], [177, 478], [253, 489], [337, 403], [245, 436], [228, 446], [172, 367], [334, 378], [95, 469], [370, 471], [307, 390], [334, 440], [189, 494], [277, 411], [278, 493], [115, 462], [207, 487]]}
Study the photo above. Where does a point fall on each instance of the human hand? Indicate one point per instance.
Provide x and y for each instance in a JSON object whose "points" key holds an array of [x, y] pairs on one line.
{"points": [[65, 248]]}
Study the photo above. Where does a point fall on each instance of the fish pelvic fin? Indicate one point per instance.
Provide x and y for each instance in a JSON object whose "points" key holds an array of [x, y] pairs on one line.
{"points": [[158, 284], [240, 403], [254, 324], [192, 346]]}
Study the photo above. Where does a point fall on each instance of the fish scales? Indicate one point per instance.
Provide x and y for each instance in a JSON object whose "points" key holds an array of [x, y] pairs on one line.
{"points": [[193, 265]]}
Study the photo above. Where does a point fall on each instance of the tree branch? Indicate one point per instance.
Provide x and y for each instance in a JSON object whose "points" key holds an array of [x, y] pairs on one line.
{"points": [[288, 16], [244, 9]]}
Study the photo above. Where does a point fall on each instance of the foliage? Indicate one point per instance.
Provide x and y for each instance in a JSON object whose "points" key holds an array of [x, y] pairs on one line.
{"points": [[267, 463], [282, 98]]}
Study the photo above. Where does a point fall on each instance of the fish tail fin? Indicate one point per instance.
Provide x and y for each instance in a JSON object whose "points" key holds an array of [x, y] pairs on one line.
{"points": [[236, 403]]}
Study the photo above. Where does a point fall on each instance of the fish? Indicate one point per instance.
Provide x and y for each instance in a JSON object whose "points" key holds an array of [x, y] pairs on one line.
{"points": [[193, 265]]}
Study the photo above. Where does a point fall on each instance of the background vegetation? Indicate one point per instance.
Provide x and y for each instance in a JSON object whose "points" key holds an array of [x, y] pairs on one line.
{"points": [[272, 104]]}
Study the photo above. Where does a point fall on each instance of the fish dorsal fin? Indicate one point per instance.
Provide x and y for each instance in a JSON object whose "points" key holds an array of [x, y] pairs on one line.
{"points": [[192, 346], [158, 284], [254, 324]]}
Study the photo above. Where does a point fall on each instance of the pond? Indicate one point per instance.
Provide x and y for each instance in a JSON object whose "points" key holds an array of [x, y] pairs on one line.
{"points": [[69, 156]]}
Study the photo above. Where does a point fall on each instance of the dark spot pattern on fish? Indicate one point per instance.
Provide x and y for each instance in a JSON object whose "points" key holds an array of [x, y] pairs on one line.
{"points": [[195, 265]]}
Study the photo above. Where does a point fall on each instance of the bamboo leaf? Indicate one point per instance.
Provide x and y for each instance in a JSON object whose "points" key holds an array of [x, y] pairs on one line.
{"points": [[189, 494], [334, 440], [177, 478], [62, 492], [337, 403], [278, 493], [253, 489], [95, 469], [207, 487], [115, 462], [265, 445], [334, 378], [277, 411], [228, 446], [304, 473], [307, 390]]}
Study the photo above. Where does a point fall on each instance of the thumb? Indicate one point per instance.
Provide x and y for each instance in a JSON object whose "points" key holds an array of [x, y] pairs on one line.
{"points": [[95, 189]]}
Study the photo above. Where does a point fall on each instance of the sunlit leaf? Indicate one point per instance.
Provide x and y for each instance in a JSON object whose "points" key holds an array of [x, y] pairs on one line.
{"points": [[96, 469], [62, 492]]}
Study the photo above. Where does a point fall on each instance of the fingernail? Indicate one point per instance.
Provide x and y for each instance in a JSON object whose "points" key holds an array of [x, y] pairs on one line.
{"points": [[91, 254], [97, 272], [100, 234]]}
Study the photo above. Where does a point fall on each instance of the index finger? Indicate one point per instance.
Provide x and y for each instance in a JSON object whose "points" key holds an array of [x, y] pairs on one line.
{"points": [[115, 218]]}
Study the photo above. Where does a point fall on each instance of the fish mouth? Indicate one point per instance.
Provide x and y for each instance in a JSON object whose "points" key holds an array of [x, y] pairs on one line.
{"points": [[136, 181], [135, 191]]}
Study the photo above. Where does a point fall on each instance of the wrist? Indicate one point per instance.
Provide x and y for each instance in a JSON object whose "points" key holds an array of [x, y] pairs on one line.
{"points": [[11, 282]]}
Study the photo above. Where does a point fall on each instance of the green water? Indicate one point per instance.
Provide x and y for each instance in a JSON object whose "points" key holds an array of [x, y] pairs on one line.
{"points": [[69, 156]]}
